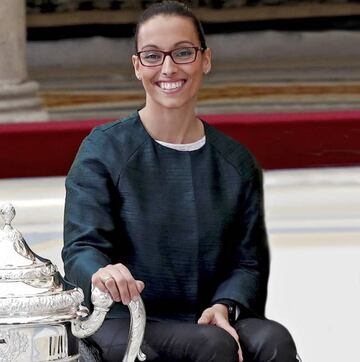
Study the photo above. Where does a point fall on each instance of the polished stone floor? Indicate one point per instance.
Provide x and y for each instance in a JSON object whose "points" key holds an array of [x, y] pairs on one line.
{"points": [[313, 219]]}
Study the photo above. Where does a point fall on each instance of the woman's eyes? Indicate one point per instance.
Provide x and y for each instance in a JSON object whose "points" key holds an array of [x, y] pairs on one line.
{"points": [[152, 56], [155, 56], [183, 53]]}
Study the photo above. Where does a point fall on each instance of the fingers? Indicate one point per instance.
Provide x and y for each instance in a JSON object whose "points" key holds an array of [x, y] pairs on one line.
{"points": [[203, 320], [241, 358], [119, 294], [98, 279], [126, 285], [206, 317], [140, 285], [118, 282], [215, 316], [224, 324]]}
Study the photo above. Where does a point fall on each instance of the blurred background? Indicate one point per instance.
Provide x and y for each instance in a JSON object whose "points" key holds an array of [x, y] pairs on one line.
{"points": [[285, 82]]}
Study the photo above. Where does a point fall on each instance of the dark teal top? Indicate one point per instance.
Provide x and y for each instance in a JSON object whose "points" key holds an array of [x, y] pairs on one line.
{"points": [[189, 224]]}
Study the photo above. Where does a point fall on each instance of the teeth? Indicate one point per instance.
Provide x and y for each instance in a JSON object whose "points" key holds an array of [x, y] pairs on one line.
{"points": [[171, 85]]}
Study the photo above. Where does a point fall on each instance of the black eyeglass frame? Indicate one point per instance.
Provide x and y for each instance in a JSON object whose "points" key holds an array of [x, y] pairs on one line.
{"points": [[201, 49]]}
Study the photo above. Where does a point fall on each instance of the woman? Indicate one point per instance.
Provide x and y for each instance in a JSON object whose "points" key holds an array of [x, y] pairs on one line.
{"points": [[163, 205]]}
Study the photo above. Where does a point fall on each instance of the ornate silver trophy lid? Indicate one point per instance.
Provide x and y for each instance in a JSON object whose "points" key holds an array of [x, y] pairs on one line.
{"points": [[33, 291]]}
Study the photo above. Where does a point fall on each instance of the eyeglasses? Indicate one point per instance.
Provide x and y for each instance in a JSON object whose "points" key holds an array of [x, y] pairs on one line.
{"points": [[153, 58]]}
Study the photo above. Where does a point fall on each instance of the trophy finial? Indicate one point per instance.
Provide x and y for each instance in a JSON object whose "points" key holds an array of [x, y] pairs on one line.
{"points": [[7, 212]]}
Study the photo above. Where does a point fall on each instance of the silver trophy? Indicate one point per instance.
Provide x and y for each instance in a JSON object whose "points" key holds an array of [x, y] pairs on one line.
{"points": [[41, 316]]}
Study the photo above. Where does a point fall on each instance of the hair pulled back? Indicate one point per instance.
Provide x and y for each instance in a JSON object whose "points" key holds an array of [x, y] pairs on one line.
{"points": [[170, 8]]}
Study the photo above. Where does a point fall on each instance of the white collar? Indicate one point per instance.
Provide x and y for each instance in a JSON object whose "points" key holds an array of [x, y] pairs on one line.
{"points": [[185, 146]]}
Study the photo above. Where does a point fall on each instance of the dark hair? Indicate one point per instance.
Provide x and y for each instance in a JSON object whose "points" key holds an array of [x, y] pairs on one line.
{"points": [[170, 8]]}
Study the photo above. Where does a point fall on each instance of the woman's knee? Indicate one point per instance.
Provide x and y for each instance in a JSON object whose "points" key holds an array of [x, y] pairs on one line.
{"points": [[214, 344], [279, 342], [266, 340]]}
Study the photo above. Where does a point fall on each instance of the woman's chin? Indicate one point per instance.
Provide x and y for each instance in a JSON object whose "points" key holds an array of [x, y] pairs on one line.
{"points": [[171, 103]]}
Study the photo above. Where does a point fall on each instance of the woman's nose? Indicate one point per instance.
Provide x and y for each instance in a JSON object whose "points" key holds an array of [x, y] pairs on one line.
{"points": [[168, 67]]}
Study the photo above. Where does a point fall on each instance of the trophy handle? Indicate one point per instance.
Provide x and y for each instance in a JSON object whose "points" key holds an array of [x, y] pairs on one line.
{"points": [[83, 327]]}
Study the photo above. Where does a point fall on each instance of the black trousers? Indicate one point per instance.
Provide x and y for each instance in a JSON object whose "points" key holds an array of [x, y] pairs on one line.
{"points": [[261, 340]]}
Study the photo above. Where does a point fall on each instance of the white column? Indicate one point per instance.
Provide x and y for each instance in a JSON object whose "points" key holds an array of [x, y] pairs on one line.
{"points": [[18, 95]]}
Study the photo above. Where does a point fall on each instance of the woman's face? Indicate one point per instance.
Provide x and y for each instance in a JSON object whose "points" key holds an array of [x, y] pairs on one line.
{"points": [[171, 85]]}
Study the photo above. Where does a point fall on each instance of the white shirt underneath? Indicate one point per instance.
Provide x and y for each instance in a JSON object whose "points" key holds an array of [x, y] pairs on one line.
{"points": [[184, 146]]}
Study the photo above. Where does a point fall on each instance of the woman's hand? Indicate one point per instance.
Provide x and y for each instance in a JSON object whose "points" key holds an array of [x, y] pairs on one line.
{"points": [[218, 315], [117, 280]]}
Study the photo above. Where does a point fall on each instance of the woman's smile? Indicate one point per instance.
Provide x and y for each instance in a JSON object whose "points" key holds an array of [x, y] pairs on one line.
{"points": [[171, 86]]}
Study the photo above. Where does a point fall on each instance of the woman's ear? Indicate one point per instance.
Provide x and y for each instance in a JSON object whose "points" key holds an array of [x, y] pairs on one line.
{"points": [[207, 61], [136, 65]]}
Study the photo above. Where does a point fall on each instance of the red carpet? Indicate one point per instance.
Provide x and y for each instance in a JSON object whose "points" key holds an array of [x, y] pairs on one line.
{"points": [[278, 140]]}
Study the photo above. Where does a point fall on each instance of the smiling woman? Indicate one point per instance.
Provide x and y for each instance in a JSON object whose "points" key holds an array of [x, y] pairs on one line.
{"points": [[171, 65], [163, 205]]}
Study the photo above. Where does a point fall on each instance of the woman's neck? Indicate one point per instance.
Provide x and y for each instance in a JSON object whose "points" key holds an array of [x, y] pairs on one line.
{"points": [[172, 125]]}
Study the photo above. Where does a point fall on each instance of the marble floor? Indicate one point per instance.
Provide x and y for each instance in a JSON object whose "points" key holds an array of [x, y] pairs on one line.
{"points": [[313, 219]]}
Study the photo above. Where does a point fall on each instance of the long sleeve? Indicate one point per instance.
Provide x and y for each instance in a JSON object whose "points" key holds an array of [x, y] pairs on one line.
{"points": [[247, 277], [89, 227]]}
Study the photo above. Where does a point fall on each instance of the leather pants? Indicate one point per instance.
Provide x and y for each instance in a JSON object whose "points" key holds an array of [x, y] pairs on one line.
{"points": [[261, 340]]}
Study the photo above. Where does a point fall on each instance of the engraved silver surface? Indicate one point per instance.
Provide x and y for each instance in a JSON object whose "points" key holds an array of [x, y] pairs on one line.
{"points": [[102, 302], [38, 309], [84, 327], [31, 288], [136, 333], [35, 309], [14, 344]]}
